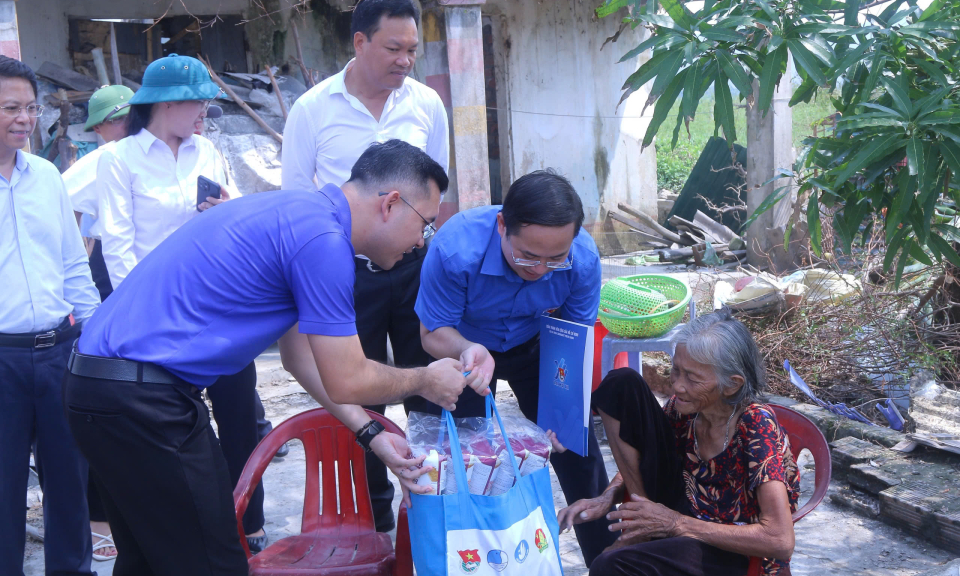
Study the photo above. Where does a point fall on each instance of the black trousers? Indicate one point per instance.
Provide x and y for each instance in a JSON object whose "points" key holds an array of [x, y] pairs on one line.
{"points": [[168, 492], [98, 270], [235, 409], [579, 476], [384, 302], [31, 413], [625, 396]]}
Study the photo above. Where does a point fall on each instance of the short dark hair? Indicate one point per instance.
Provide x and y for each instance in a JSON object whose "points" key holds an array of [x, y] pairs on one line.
{"points": [[11, 68], [395, 162], [367, 14], [544, 198], [140, 115]]}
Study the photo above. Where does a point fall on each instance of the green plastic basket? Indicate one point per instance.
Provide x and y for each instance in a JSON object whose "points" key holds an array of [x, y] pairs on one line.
{"points": [[644, 306]]}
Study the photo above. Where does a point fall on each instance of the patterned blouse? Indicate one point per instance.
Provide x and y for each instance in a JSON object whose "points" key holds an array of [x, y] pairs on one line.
{"points": [[724, 489]]}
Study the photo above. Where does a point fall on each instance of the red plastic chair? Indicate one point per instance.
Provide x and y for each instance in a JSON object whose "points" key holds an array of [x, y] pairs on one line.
{"points": [[803, 434], [340, 538]]}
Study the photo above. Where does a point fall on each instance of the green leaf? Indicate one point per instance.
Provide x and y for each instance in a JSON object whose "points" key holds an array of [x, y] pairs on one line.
{"points": [[664, 103], [735, 72], [914, 155], [817, 28], [931, 10], [901, 98], [893, 247], [876, 65], [722, 35], [900, 205], [804, 92], [901, 262], [772, 198], [819, 48], [806, 61], [813, 221], [851, 10], [951, 154], [946, 249], [767, 10], [653, 42], [736, 21], [680, 14], [940, 117], [691, 89], [917, 252], [665, 74], [610, 7], [723, 108], [872, 149], [851, 58], [772, 69], [933, 71]]}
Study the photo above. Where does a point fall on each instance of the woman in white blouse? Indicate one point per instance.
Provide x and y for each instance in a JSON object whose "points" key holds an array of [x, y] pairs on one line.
{"points": [[148, 189], [148, 182]]}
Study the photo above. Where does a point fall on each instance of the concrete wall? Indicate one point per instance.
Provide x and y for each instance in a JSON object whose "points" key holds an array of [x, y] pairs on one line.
{"points": [[557, 95]]}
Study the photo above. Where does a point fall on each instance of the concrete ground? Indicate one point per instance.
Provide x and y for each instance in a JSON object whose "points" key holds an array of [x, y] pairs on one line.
{"points": [[830, 541]]}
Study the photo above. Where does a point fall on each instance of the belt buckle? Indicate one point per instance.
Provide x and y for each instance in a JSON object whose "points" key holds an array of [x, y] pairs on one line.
{"points": [[45, 340]]}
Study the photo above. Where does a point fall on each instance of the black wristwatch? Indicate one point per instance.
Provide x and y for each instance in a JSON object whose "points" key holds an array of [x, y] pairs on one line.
{"points": [[366, 434]]}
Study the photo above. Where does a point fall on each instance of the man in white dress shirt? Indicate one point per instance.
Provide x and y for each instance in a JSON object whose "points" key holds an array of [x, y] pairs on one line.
{"points": [[372, 100], [47, 294]]}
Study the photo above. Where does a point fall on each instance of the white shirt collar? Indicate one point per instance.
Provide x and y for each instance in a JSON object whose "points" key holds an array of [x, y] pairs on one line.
{"points": [[146, 140], [339, 84]]}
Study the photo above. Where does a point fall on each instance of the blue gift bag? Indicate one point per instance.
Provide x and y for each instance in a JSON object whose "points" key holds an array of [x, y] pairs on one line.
{"points": [[513, 534]]}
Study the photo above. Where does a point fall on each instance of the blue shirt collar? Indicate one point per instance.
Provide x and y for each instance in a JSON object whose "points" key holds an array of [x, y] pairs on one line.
{"points": [[339, 200]]}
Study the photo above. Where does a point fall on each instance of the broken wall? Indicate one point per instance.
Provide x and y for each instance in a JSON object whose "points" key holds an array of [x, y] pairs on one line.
{"points": [[557, 100]]}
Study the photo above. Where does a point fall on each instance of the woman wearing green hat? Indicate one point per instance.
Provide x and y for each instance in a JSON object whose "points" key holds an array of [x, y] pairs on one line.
{"points": [[148, 189]]}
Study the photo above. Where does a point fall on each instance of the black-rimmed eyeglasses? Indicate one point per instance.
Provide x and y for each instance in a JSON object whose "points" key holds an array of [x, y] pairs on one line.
{"points": [[428, 230]]}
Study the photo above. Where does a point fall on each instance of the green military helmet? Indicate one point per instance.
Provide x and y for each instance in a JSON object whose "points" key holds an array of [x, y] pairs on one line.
{"points": [[175, 78], [106, 100]]}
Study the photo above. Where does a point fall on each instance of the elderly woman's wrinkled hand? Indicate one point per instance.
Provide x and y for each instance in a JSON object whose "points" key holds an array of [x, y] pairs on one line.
{"points": [[641, 519], [584, 510]]}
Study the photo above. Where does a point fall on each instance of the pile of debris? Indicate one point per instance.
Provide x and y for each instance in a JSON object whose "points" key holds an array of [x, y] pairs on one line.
{"points": [[702, 241]]}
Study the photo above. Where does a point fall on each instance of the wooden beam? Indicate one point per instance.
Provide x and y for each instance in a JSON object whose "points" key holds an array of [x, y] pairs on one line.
{"points": [[226, 88], [307, 76], [101, 65], [652, 224], [638, 229], [114, 57], [276, 90]]}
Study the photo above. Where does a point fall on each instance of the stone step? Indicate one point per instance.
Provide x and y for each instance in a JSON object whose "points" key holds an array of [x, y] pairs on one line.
{"points": [[931, 510]]}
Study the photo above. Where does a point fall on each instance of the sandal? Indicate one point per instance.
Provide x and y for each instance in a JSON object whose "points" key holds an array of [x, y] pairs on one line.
{"points": [[257, 543], [104, 542]]}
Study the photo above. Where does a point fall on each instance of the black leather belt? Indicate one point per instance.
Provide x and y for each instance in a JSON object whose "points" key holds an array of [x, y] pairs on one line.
{"points": [[119, 369], [46, 339]]}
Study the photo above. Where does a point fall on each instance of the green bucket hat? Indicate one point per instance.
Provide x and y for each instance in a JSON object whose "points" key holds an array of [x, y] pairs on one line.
{"points": [[103, 102], [174, 78]]}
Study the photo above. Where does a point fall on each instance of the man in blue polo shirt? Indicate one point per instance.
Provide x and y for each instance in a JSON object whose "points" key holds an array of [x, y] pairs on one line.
{"points": [[205, 303], [489, 276]]}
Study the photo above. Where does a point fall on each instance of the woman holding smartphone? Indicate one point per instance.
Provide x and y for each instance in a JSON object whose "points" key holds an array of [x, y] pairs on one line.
{"points": [[148, 189]]}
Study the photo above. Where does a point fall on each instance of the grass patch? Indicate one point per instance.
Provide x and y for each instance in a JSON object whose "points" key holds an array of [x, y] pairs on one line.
{"points": [[675, 164]]}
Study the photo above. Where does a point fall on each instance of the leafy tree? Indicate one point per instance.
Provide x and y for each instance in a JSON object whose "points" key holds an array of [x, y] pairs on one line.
{"points": [[892, 77]]}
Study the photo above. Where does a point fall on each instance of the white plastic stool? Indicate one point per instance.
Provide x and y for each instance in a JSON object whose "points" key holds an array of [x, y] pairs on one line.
{"points": [[635, 347]]}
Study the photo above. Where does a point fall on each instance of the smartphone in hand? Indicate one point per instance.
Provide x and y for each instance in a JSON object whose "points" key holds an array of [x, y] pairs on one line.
{"points": [[206, 187]]}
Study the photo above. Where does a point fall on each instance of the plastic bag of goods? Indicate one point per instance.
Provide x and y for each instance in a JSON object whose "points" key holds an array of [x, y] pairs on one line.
{"points": [[483, 449]]}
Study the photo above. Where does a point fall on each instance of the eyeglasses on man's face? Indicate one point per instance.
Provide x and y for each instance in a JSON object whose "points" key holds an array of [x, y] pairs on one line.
{"points": [[33, 110], [428, 230], [531, 263]]}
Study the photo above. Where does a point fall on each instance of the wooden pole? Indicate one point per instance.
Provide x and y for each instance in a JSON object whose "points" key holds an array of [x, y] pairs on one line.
{"points": [[233, 95], [276, 90], [101, 65], [307, 76], [114, 57], [652, 224]]}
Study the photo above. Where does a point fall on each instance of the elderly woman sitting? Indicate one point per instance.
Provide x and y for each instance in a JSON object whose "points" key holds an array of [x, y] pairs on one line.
{"points": [[710, 475]]}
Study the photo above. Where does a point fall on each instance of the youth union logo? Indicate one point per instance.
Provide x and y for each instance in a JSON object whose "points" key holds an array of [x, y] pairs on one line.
{"points": [[470, 560], [540, 540], [497, 559], [560, 377], [522, 550]]}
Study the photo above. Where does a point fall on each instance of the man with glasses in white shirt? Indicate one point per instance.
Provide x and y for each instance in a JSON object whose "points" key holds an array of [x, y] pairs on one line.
{"points": [[372, 99], [489, 276], [47, 295]]}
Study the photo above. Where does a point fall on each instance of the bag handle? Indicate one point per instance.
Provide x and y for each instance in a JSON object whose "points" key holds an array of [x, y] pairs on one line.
{"points": [[459, 469]]}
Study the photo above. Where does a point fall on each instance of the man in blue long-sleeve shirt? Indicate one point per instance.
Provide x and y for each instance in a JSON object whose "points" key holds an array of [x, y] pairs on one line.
{"points": [[47, 294]]}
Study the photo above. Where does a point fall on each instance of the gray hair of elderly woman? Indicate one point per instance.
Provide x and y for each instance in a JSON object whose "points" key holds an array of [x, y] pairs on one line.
{"points": [[722, 341]]}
